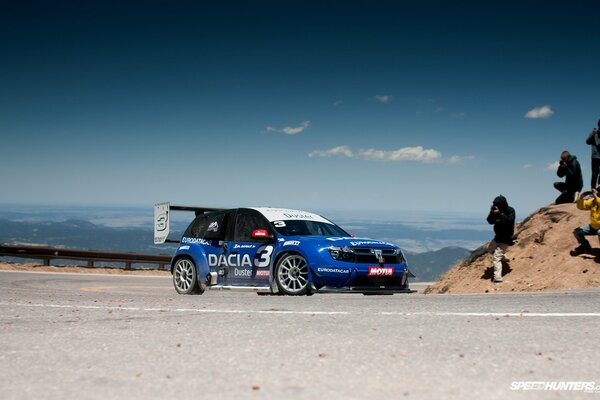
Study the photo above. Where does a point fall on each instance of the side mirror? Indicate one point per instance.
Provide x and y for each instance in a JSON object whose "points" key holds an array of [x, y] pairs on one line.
{"points": [[261, 234]]}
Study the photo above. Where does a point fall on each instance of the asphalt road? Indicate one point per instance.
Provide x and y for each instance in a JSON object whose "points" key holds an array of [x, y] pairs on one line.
{"points": [[66, 336]]}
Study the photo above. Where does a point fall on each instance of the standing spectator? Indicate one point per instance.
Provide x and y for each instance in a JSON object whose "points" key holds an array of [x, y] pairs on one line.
{"points": [[594, 141], [503, 218], [569, 167]]}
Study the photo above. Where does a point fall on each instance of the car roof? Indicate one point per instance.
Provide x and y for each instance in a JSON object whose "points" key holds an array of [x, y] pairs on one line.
{"points": [[286, 214]]}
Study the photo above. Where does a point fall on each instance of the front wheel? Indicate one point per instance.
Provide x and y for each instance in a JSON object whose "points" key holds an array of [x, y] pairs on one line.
{"points": [[185, 278], [291, 275]]}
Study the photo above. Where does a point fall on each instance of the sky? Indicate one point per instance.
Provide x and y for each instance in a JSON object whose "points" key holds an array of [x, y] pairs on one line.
{"points": [[376, 107]]}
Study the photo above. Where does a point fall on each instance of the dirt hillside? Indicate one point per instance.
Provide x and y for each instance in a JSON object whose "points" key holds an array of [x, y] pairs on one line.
{"points": [[539, 259]]}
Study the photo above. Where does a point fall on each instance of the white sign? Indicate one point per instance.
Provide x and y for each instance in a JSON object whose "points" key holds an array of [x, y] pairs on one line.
{"points": [[161, 222]]}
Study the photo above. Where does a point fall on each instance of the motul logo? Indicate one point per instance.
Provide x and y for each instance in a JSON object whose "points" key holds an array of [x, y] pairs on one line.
{"points": [[381, 271], [262, 273]]}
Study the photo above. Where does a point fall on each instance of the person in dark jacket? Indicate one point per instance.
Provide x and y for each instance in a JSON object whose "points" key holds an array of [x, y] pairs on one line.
{"points": [[502, 216], [568, 167], [594, 141]]}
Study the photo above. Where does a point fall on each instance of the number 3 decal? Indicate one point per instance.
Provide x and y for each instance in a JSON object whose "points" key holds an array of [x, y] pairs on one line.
{"points": [[264, 253]]}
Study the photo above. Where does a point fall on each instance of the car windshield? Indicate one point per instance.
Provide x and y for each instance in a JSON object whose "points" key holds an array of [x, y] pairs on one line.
{"points": [[308, 228]]}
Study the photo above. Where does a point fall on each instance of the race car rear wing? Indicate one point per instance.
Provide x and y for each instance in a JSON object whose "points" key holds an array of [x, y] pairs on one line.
{"points": [[162, 220]]}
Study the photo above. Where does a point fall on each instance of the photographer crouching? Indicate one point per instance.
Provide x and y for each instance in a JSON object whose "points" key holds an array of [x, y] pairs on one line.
{"points": [[568, 167]]}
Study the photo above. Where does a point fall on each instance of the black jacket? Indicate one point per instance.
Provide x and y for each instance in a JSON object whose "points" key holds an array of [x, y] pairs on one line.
{"points": [[504, 221], [572, 170]]}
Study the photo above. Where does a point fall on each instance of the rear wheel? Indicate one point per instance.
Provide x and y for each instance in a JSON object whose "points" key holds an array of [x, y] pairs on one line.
{"points": [[291, 275], [185, 278]]}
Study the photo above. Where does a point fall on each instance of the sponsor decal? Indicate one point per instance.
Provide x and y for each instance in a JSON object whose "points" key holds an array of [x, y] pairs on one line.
{"points": [[247, 273], [298, 216], [244, 246], [261, 260], [260, 233], [262, 273], [331, 270], [231, 260], [292, 243], [279, 224], [184, 247], [381, 271], [279, 214], [213, 227], [242, 273], [195, 241], [335, 239], [365, 243]]}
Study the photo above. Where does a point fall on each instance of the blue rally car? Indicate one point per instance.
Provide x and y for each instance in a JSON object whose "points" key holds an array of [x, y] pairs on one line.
{"points": [[279, 251]]}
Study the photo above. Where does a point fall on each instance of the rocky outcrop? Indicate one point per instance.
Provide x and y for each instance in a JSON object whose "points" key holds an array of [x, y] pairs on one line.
{"points": [[539, 259]]}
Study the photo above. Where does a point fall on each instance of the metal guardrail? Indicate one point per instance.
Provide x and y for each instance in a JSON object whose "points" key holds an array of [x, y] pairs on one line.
{"points": [[90, 256]]}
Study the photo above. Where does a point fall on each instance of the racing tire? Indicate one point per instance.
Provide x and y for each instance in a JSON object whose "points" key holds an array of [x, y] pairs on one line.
{"points": [[291, 275], [185, 278]]}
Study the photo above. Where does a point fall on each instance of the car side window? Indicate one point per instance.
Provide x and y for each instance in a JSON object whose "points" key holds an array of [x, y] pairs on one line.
{"points": [[246, 222], [197, 228], [216, 225]]}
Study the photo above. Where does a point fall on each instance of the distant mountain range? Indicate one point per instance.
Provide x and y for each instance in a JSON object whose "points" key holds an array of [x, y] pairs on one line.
{"points": [[431, 265], [82, 234]]}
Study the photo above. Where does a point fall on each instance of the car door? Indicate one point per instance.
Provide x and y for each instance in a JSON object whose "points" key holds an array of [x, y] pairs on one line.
{"points": [[250, 253], [216, 236]]}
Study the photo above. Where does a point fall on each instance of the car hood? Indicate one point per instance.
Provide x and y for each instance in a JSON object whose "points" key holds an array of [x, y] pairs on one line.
{"points": [[339, 241]]}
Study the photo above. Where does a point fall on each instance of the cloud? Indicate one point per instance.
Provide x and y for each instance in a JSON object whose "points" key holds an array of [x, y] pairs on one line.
{"points": [[527, 166], [338, 102], [335, 151], [540, 112], [289, 130], [383, 98], [417, 154], [459, 160]]}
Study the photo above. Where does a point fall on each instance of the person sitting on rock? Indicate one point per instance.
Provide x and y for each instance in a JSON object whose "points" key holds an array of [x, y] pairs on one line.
{"points": [[587, 201]]}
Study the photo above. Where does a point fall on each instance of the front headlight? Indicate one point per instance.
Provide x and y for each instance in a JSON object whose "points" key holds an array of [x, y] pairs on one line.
{"points": [[341, 253], [400, 255]]}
